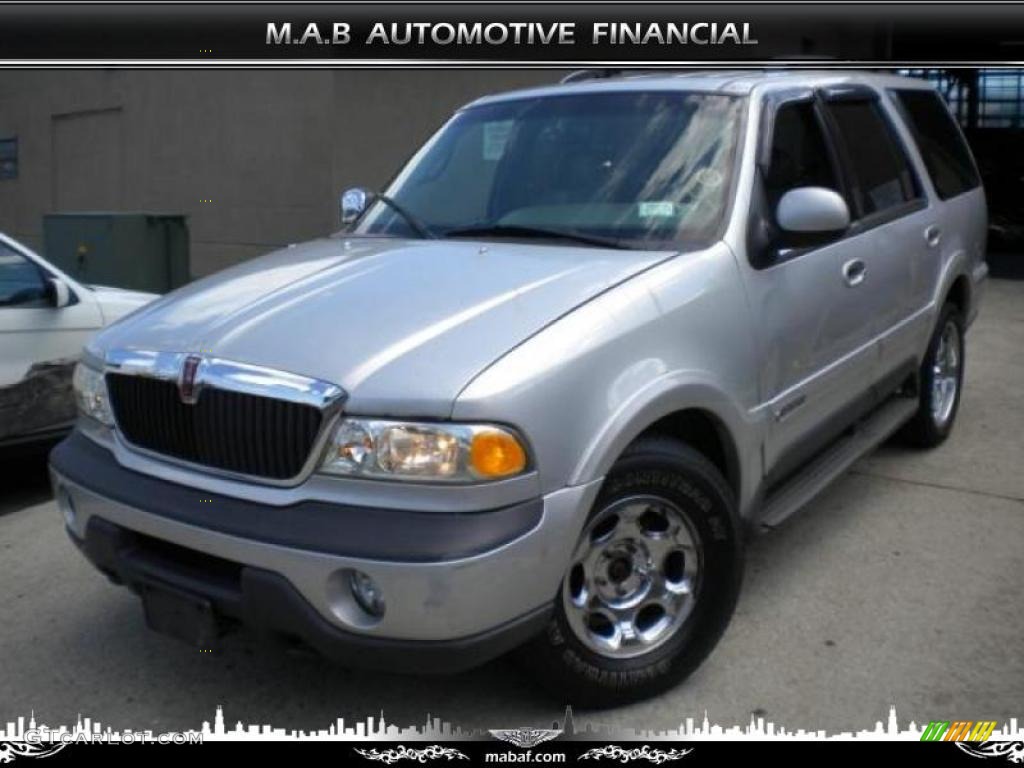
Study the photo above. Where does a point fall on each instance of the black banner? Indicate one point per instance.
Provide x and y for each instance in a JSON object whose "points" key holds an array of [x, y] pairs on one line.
{"points": [[581, 753], [520, 33]]}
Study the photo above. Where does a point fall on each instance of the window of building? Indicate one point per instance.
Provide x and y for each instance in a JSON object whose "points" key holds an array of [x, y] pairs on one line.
{"points": [[1000, 94], [9, 158]]}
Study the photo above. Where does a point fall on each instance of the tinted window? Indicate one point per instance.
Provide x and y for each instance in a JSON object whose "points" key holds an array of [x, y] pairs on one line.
{"points": [[21, 283], [881, 175], [942, 147], [799, 155]]}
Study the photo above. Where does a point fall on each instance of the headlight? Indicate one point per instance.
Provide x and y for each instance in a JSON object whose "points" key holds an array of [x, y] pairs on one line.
{"points": [[91, 394], [454, 453]]}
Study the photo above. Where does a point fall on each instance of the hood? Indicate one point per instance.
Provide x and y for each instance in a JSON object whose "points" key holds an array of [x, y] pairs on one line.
{"points": [[401, 325], [115, 303]]}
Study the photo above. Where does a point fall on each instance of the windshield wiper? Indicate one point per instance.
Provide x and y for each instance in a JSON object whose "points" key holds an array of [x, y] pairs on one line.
{"points": [[413, 221], [516, 230]]}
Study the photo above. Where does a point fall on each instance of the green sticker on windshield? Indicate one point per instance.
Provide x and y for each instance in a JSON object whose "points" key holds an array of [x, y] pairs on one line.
{"points": [[495, 138], [650, 209]]}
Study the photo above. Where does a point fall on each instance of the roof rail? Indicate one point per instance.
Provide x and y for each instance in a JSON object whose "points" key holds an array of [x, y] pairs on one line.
{"points": [[581, 75], [590, 74]]}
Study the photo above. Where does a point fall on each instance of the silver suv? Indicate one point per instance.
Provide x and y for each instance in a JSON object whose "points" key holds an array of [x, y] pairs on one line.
{"points": [[537, 392]]}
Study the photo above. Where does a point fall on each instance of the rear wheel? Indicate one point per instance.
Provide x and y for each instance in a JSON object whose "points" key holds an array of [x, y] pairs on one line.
{"points": [[941, 379], [652, 582]]}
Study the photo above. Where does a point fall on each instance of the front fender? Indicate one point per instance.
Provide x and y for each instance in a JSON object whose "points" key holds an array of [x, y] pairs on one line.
{"points": [[668, 394], [677, 336]]}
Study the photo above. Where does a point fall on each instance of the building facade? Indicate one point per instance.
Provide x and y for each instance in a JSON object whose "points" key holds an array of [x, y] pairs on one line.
{"points": [[256, 159]]}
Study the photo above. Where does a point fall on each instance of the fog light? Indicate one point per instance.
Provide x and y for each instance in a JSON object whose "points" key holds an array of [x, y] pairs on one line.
{"points": [[367, 594], [66, 507]]}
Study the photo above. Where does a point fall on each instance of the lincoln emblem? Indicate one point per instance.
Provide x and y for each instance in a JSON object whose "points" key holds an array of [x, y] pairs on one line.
{"points": [[187, 389]]}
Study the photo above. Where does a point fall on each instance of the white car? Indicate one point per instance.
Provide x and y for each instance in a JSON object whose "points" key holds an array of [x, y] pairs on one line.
{"points": [[45, 320]]}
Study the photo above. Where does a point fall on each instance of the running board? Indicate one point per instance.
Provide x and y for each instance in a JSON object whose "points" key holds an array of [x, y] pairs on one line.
{"points": [[862, 438]]}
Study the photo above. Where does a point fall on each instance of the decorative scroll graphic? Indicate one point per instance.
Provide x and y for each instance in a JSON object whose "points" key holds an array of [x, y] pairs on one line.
{"points": [[11, 750], [624, 755], [401, 752], [1013, 751], [526, 737]]}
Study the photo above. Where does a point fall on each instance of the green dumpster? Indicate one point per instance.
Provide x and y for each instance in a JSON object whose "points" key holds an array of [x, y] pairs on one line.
{"points": [[140, 251]]}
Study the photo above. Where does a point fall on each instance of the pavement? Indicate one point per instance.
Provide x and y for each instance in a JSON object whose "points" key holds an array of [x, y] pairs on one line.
{"points": [[901, 585]]}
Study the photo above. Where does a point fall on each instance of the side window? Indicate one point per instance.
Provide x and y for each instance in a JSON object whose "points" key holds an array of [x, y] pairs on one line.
{"points": [[21, 282], [799, 156], [881, 174], [942, 147]]}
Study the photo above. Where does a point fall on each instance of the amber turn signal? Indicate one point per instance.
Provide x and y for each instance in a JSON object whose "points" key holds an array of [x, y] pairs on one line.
{"points": [[496, 454]]}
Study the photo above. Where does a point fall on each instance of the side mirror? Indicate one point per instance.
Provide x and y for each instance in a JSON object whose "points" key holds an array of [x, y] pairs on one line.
{"points": [[812, 211], [353, 203], [57, 292]]}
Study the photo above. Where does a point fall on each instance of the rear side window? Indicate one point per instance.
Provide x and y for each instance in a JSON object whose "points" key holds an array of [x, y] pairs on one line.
{"points": [[881, 175], [942, 146]]}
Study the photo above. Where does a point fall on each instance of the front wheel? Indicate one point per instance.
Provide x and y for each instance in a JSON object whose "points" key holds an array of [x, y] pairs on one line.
{"points": [[941, 379], [652, 582]]}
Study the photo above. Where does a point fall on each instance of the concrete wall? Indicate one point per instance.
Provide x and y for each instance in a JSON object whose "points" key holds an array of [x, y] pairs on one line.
{"points": [[270, 150]]}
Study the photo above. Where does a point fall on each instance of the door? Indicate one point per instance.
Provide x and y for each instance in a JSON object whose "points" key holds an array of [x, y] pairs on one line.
{"points": [[87, 160], [39, 345], [953, 223], [889, 201], [814, 325]]}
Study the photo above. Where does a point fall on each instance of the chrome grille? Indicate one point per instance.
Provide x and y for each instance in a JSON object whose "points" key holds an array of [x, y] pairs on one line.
{"points": [[225, 430]]}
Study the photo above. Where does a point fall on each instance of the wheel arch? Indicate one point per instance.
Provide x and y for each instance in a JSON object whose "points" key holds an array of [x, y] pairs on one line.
{"points": [[699, 414], [959, 294]]}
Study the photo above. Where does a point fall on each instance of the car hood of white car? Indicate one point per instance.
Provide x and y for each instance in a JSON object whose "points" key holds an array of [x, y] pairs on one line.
{"points": [[115, 303], [401, 325]]}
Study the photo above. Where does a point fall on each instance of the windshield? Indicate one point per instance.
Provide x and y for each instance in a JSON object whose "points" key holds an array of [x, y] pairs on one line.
{"points": [[636, 169]]}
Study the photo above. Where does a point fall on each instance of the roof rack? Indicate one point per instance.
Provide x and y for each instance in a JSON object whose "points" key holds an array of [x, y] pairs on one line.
{"points": [[581, 75]]}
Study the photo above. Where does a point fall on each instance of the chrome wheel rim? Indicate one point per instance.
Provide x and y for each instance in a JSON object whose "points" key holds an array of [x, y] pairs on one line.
{"points": [[634, 577], [946, 374]]}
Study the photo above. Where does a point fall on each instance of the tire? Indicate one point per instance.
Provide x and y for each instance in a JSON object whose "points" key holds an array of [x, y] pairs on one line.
{"points": [[937, 408], [665, 507]]}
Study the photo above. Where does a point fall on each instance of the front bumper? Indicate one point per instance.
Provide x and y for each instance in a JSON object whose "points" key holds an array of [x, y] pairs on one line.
{"points": [[459, 588]]}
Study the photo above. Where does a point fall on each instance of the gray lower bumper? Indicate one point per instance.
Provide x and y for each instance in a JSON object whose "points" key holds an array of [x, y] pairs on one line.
{"points": [[426, 601]]}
